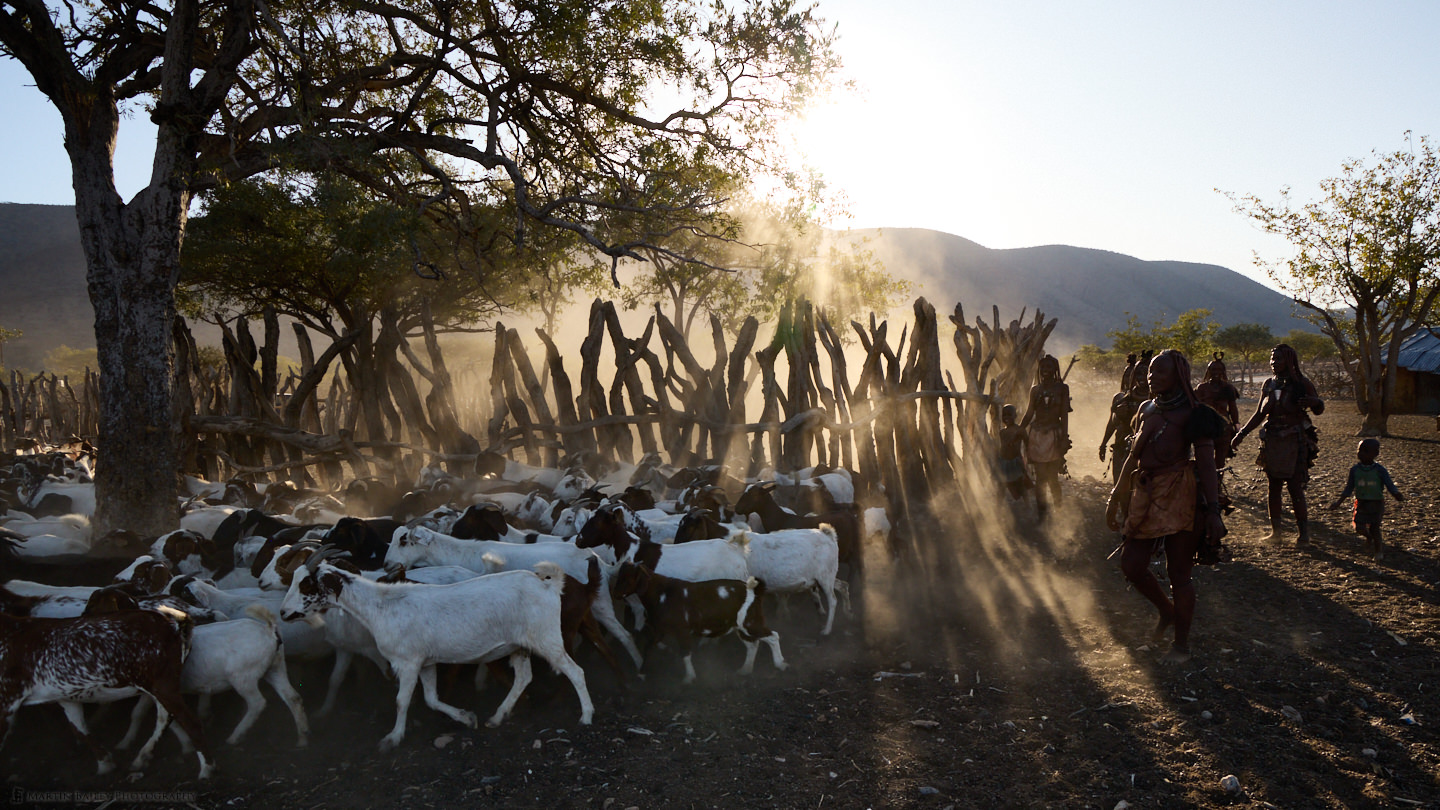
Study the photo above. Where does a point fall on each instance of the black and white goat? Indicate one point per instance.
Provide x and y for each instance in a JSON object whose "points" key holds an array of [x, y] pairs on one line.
{"points": [[723, 558], [759, 499]]}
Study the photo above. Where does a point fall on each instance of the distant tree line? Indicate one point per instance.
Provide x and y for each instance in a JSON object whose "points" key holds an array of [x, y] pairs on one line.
{"points": [[1246, 346]]}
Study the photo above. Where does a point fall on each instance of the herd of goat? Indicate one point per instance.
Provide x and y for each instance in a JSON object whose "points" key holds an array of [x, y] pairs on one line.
{"points": [[509, 562]]}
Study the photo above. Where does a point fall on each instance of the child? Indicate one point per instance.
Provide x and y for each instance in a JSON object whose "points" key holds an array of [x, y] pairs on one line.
{"points": [[1012, 455], [1369, 481]]}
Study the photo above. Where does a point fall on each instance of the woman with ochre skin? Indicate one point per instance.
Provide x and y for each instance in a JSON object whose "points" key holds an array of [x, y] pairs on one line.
{"points": [[1154, 504], [1288, 442]]}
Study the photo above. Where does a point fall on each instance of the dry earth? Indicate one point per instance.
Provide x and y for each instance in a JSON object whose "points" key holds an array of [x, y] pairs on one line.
{"points": [[1009, 671]]}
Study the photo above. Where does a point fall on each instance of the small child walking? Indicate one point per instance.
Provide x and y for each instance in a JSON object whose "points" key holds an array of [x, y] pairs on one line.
{"points": [[1369, 481], [1013, 440]]}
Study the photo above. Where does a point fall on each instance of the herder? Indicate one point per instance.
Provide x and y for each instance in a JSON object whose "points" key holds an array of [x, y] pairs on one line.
{"points": [[1168, 500], [1047, 421], [1288, 441]]}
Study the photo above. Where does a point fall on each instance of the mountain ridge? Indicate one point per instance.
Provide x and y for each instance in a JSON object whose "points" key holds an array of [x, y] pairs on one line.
{"points": [[1090, 290]]}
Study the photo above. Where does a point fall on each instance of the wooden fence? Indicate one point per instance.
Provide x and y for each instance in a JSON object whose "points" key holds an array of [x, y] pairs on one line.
{"points": [[897, 416]]}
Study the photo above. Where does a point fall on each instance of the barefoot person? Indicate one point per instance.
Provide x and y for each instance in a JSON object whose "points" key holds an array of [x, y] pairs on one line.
{"points": [[1369, 481], [1167, 499], [1047, 423], [1288, 441]]}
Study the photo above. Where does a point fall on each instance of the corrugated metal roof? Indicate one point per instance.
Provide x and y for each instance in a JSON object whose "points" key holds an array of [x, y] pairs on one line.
{"points": [[1421, 352]]}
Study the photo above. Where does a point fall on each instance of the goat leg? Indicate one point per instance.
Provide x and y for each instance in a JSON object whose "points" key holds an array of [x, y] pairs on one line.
{"points": [[520, 662], [432, 699], [75, 713]]}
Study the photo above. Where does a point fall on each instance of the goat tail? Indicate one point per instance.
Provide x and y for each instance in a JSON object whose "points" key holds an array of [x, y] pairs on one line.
{"points": [[829, 531], [742, 540], [75, 521], [261, 614], [552, 575], [756, 585]]}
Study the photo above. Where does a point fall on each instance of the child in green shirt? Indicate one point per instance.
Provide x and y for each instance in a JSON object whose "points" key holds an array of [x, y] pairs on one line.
{"points": [[1369, 481]]}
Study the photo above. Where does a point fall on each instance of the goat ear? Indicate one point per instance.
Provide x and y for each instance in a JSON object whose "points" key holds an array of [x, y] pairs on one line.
{"points": [[495, 520], [345, 565]]}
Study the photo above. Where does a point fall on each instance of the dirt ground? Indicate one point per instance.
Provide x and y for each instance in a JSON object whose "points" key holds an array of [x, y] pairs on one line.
{"points": [[1010, 669]]}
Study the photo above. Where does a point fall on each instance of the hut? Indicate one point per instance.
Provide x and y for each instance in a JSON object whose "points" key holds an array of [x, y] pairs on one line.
{"points": [[1417, 383]]}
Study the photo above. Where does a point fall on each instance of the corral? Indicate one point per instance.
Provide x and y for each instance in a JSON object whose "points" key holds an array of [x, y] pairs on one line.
{"points": [[1019, 678]]}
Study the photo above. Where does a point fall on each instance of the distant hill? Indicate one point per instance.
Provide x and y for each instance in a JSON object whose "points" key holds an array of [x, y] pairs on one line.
{"points": [[42, 276], [1090, 291]]}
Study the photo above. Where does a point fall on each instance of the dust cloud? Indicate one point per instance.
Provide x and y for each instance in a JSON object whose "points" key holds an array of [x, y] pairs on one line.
{"points": [[984, 573]]}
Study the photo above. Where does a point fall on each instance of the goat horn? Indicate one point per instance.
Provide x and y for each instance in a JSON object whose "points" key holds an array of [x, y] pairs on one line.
{"points": [[321, 555]]}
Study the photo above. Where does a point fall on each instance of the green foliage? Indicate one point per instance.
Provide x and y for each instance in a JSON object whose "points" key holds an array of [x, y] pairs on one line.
{"points": [[1135, 337], [1245, 340], [64, 361], [1193, 334], [211, 357], [5, 335], [1107, 363], [1370, 247], [322, 250], [1310, 346]]}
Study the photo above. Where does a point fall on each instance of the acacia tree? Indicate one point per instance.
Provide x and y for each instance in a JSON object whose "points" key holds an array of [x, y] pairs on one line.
{"points": [[1369, 245], [325, 253], [1247, 340], [1192, 333], [567, 113]]}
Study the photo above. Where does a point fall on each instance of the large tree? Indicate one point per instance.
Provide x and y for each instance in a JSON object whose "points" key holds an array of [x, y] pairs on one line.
{"points": [[578, 115], [1366, 263]]}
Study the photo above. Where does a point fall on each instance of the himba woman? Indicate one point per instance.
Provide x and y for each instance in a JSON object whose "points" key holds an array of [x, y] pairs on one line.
{"points": [[1047, 422], [1288, 441], [1217, 391], [1167, 497]]}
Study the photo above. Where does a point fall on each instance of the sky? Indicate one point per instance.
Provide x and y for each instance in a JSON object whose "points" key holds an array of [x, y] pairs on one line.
{"points": [[1098, 124]]}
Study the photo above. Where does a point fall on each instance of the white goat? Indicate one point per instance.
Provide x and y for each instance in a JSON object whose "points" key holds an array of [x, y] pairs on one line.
{"points": [[235, 655], [797, 561], [418, 626], [55, 601], [419, 547], [204, 520], [51, 536], [301, 640]]}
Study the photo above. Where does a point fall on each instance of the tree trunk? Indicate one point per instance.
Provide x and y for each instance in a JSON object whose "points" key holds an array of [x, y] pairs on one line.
{"points": [[133, 263]]}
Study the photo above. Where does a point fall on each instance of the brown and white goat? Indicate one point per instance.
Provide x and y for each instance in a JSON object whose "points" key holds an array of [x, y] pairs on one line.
{"points": [[684, 611], [98, 659]]}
